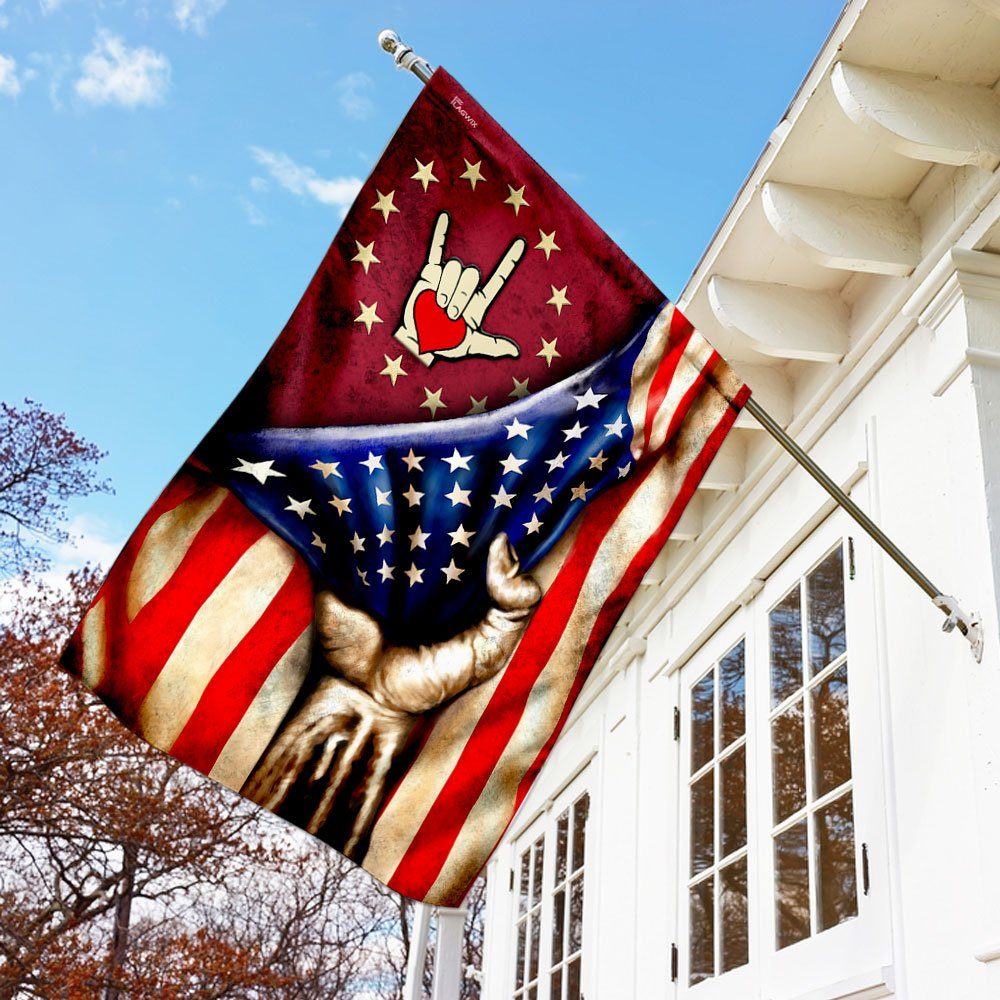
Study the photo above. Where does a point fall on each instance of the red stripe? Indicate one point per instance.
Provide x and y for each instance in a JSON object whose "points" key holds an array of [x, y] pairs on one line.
{"points": [[416, 873], [691, 394], [681, 332], [242, 674]]}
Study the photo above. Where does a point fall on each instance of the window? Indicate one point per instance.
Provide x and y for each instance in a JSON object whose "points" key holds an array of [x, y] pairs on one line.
{"points": [[776, 816], [550, 895]]}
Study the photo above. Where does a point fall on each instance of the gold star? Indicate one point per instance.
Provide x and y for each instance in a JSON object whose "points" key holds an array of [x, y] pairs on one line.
{"points": [[472, 173], [318, 543], [424, 174], [459, 496], [385, 571], [520, 389], [502, 498], [559, 462], [559, 298], [300, 507], [460, 536], [415, 575], [357, 543], [516, 198], [452, 572], [384, 205], [433, 402], [598, 461], [478, 405], [548, 351], [382, 497], [547, 243], [512, 464], [545, 493], [342, 505], [327, 468], [385, 535], [368, 315], [413, 496], [534, 525], [413, 461], [580, 492], [366, 255], [393, 367], [418, 540]]}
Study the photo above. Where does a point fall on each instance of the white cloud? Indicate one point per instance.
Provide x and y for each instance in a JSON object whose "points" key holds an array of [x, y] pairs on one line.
{"points": [[10, 83], [353, 90], [115, 74], [49, 6], [259, 184], [194, 15], [336, 191], [254, 215]]}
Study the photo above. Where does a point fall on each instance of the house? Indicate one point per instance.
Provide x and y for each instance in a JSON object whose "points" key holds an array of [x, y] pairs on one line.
{"points": [[782, 780]]}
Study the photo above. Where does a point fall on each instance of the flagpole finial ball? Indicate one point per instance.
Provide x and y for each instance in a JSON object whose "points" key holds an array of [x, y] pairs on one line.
{"points": [[389, 40]]}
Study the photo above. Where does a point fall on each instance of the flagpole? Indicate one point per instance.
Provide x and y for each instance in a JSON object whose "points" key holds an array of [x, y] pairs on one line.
{"points": [[968, 624]]}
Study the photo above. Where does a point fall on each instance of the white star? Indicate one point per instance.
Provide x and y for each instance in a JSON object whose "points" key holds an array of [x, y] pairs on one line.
{"points": [[357, 543], [385, 571], [580, 492], [559, 298], [472, 173], [452, 572], [547, 243], [372, 462], [300, 507], [413, 461], [459, 496], [589, 398], [616, 428], [574, 433], [418, 540], [413, 496], [520, 389], [478, 405], [512, 464], [548, 351], [534, 525], [318, 543], [460, 536], [516, 198], [415, 575], [457, 461], [384, 205], [433, 401], [363, 577], [545, 493], [261, 471], [559, 462], [365, 255], [393, 368], [382, 497], [598, 461], [624, 470], [385, 535], [327, 468], [368, 315], [424, 174], [342, 505], [517, 429], [502, 498]]}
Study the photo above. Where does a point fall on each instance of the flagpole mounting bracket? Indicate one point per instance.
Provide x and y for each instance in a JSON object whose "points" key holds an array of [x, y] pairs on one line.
{"points": [[403, 56], [970, 625]]}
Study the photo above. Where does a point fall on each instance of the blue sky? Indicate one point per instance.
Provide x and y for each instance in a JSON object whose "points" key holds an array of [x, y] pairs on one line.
{"points": [[173, 170]]}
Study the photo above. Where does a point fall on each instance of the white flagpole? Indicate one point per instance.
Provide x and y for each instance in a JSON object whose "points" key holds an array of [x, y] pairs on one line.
{"points": [[968, 624]]}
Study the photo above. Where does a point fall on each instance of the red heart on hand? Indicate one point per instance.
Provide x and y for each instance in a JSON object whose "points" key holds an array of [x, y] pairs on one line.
{"points": [[435, 331]]}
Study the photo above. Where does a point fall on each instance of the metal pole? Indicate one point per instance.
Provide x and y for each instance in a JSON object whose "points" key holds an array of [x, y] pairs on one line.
{"points": [[968, 624]]}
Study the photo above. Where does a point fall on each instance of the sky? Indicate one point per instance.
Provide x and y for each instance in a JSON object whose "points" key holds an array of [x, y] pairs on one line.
{"points": [[172, 171]]}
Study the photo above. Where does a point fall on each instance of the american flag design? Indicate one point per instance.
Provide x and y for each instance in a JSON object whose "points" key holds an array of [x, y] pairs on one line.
{"points": [[371, 597]]}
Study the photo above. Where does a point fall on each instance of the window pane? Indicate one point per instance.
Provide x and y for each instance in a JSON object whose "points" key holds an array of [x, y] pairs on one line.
{"points": [[791, 896], [535, 921], [519, 971], [732, 674], [522, 904], [831, 733], [733, 907], [581, 809], [835, 865], [789, 757], [702, 923], [573, 981], [536, 880], [562, 836], [702, 722], [825, 593], [703, 823], [558, 923], [576, 915], [533, 993], [786, 647], [555, 992], [734, 801]]}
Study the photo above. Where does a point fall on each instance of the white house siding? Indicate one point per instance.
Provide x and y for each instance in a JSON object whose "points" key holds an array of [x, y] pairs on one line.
{"points": [[909, 421]]}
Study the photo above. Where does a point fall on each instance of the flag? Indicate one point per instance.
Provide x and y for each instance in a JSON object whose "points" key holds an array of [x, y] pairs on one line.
{"points": [[370, 598]]}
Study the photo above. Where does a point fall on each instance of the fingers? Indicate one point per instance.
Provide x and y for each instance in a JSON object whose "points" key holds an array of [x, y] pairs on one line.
{"points": [[450, 274], [436, 251], [511, 590], [503, 270], [467, 284]]}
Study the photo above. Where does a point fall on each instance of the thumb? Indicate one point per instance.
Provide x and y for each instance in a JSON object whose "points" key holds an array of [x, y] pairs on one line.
{"points": [[505, 583], [351, 640]]}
